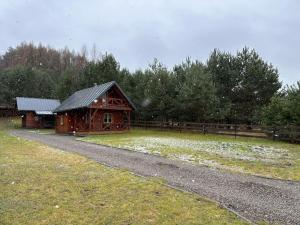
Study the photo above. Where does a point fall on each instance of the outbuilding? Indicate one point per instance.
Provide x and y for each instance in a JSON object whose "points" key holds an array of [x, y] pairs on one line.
{"points": [[99, 109], [37, 112]]}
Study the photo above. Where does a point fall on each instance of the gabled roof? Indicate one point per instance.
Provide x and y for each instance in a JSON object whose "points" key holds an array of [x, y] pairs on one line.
{"points": [[85, 97], [36, 104]]}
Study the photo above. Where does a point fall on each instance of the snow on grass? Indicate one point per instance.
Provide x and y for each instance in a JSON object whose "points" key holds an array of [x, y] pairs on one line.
{"points": [[184, 157], [49, 131], [235, 150], [246, 155]]}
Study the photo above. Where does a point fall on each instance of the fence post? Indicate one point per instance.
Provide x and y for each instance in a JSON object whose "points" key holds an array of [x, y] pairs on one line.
{"points": [[204, 129], [274, 133], [291, 134], [235, 129]]}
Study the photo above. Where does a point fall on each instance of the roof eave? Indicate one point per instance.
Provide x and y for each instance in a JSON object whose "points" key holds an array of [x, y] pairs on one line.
{"points": [[66, 110], [108, 87], [103, 92]]}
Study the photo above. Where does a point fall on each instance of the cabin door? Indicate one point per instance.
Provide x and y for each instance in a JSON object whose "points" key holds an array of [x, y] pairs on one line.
{"points": [[98, 123]]}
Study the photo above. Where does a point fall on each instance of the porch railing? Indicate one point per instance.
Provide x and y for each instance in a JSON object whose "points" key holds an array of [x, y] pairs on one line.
{"points": [[116, 102]]}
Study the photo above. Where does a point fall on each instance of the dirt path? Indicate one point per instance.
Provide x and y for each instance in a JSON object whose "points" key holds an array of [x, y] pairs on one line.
{"points": [[253, 197]]}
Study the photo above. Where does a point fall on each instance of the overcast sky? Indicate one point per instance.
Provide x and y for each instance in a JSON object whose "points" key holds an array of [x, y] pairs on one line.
{"points": [[137, 31]]}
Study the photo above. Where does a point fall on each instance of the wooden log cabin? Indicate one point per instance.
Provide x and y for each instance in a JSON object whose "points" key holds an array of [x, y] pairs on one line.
{"points": [[100, 109], [37, 112]]}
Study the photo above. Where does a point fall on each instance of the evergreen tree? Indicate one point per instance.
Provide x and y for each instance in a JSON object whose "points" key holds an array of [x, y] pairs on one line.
{"points": [[239, 88], [244, 82], [196, 98]]}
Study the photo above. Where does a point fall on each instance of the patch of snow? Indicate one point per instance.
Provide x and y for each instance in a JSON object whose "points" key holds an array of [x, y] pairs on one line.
{"points": [[242, 151], [184, 157], [212, 163]]}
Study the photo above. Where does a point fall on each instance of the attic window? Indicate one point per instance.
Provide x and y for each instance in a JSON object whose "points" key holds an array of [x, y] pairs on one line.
{"points": [[107, 118]]}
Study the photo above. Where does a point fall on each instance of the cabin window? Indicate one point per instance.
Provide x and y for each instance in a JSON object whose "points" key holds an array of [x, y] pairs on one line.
{"points": [[61, 120], [107, 118]]}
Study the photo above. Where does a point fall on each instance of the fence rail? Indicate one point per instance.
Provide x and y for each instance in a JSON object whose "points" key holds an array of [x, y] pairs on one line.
{"points": [[8, 111], [286, 133]]}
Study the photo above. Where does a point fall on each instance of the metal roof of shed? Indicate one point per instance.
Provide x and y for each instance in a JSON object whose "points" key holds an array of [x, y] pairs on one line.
{"points": [[85, 97], [36, 104]]}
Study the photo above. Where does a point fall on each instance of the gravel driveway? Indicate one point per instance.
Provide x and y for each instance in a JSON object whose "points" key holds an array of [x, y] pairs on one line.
{"points": [[253, 197]]}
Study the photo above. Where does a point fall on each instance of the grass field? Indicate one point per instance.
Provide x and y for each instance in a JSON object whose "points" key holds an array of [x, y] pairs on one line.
{"points": [[42, 185], [246, 155]]}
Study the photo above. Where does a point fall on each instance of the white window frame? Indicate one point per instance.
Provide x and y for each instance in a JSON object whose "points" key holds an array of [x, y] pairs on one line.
{"points": [[107, 118]]}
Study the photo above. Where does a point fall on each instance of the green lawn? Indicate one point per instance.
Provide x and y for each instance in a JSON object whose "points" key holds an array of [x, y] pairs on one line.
{"points": [[246, 155], [42, 185]]}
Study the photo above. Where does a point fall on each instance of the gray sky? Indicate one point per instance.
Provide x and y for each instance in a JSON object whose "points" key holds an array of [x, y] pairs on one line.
{"points": [[136, 32]]}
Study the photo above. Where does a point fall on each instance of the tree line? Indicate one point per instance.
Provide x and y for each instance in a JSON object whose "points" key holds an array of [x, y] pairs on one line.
{"points": [[227, 88]]}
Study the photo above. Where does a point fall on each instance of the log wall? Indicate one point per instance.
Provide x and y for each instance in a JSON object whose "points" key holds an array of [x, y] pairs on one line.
{"points": [[32, 120], [92, 120]]}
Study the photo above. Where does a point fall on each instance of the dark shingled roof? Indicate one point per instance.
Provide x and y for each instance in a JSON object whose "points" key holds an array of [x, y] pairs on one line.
{"points": [[85, 97], [36, 104]]}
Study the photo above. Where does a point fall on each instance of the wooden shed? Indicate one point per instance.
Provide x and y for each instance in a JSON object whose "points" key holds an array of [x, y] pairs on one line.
{"points": [[99, 109], [37, 112]]}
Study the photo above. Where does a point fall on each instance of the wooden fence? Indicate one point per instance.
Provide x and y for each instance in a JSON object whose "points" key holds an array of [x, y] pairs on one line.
{"points": [[287, 133], [8, 111]]}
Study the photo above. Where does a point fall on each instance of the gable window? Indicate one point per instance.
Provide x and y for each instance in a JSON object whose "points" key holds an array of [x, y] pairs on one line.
{"points": [[107, 118]]}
